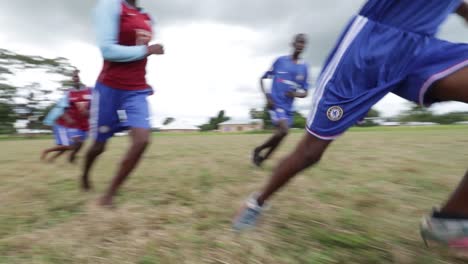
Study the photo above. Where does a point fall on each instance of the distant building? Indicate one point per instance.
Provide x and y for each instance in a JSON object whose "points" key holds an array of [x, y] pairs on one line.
{"points": [[241, 125], [390, 123], [421, 124], [179, 127]]}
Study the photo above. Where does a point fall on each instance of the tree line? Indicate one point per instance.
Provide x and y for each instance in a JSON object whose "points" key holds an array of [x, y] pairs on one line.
{"points": [[28, 101]]}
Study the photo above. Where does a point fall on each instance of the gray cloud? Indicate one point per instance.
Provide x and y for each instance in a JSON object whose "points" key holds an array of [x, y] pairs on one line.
{"points": [[51, 22]]}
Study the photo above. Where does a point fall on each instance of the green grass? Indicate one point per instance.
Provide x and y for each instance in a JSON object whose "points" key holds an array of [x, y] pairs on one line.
{"points": [[361, 205]]}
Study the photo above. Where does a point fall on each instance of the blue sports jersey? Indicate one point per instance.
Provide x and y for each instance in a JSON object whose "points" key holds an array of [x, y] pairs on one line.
{"points": [[287, 76], [419, 16]]}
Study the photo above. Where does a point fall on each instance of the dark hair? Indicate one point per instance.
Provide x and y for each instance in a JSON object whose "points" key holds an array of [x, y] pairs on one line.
{"points": [[300, 35]]}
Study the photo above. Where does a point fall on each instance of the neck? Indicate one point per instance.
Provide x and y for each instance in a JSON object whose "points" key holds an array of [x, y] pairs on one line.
{"points": [[131, 2], [296, 56]]}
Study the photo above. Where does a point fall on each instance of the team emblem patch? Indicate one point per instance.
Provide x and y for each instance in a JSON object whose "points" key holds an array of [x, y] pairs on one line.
{"points": [[335, 113], [104, 129]]}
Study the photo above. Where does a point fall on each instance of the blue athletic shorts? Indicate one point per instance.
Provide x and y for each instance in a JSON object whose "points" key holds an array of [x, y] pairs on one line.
{"points": [[62, 138], [278, 114], [371, 60], [115, 110], [75, 134]]}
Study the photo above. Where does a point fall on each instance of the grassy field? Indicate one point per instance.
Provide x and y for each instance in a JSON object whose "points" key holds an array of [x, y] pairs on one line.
{"points": [[362, 204]]}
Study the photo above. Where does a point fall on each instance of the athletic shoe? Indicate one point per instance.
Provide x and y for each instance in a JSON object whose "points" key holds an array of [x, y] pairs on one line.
{"points": [[248, 215], [448, 232]]}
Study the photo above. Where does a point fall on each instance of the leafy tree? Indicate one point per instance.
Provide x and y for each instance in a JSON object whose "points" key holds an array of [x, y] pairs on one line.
{"points": [[168, 120], [417, 114], [28, 102], [421, 114], [7, 118], [368, 121], [373, 113], [299, 121], [215, 121]]}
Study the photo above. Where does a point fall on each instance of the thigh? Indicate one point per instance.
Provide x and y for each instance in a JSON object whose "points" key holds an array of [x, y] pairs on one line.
{"points": [[439, 74], [62, 137], [77, 135], [451, 88], [134, 111], [104, 106], [279, 116], [333, 113]]}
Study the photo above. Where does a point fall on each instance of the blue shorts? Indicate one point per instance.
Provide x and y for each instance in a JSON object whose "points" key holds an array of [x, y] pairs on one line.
{"points": [[65, 136], [61, 136], [278, 114], [371, 60], [115, 110], [75, 134]]}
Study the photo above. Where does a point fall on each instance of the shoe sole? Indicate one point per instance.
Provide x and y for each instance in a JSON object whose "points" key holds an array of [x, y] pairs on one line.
{"points": [[456, 247]]}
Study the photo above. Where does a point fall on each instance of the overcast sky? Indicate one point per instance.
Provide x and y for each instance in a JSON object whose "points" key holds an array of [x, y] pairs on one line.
{"points": [[216, 50]]}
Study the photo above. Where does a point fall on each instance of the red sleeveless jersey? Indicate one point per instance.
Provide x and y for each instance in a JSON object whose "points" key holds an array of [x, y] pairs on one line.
{"points": [[135, 30], [78, 109]]}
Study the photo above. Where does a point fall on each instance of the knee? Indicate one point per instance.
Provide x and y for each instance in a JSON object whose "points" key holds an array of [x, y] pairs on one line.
{"points": [[77, 145], [282, 132], [311, 157], [141, 142], [97, 149]]}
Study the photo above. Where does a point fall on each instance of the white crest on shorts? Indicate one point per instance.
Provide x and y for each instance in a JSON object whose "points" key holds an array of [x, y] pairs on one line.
{"points": [[300, 77], [104, 129], [122, 114], [335, 113]]}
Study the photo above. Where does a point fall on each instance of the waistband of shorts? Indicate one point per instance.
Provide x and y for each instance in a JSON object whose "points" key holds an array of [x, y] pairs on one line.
{"points": [[392, 27]]}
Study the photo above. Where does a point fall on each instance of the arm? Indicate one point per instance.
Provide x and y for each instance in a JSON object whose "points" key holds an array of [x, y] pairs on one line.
{"points": [[302, 91], [106, 20], [462, 10], [64, 103], [268, 75], [56, 112]]}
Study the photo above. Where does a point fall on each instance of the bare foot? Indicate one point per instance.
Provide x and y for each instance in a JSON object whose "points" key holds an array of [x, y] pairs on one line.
{"points": [[85, 184], [43, 155], [106, 202], [72, 159], [256, 158]]}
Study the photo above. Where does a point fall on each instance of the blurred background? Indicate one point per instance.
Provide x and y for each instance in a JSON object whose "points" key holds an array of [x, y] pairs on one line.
{"points": [[215, 54]]}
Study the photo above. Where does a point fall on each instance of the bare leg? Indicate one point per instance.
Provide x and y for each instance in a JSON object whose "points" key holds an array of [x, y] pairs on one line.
{"points": [[308, 152], [94, 151], [53, 149], [140, 140], [58, 154], [454, 88], [76, 148], [271, 144]]}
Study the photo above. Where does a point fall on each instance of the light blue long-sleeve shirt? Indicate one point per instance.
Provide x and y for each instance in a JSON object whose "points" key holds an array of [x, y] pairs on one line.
{"points": [[107, 27], [56, 112]]}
